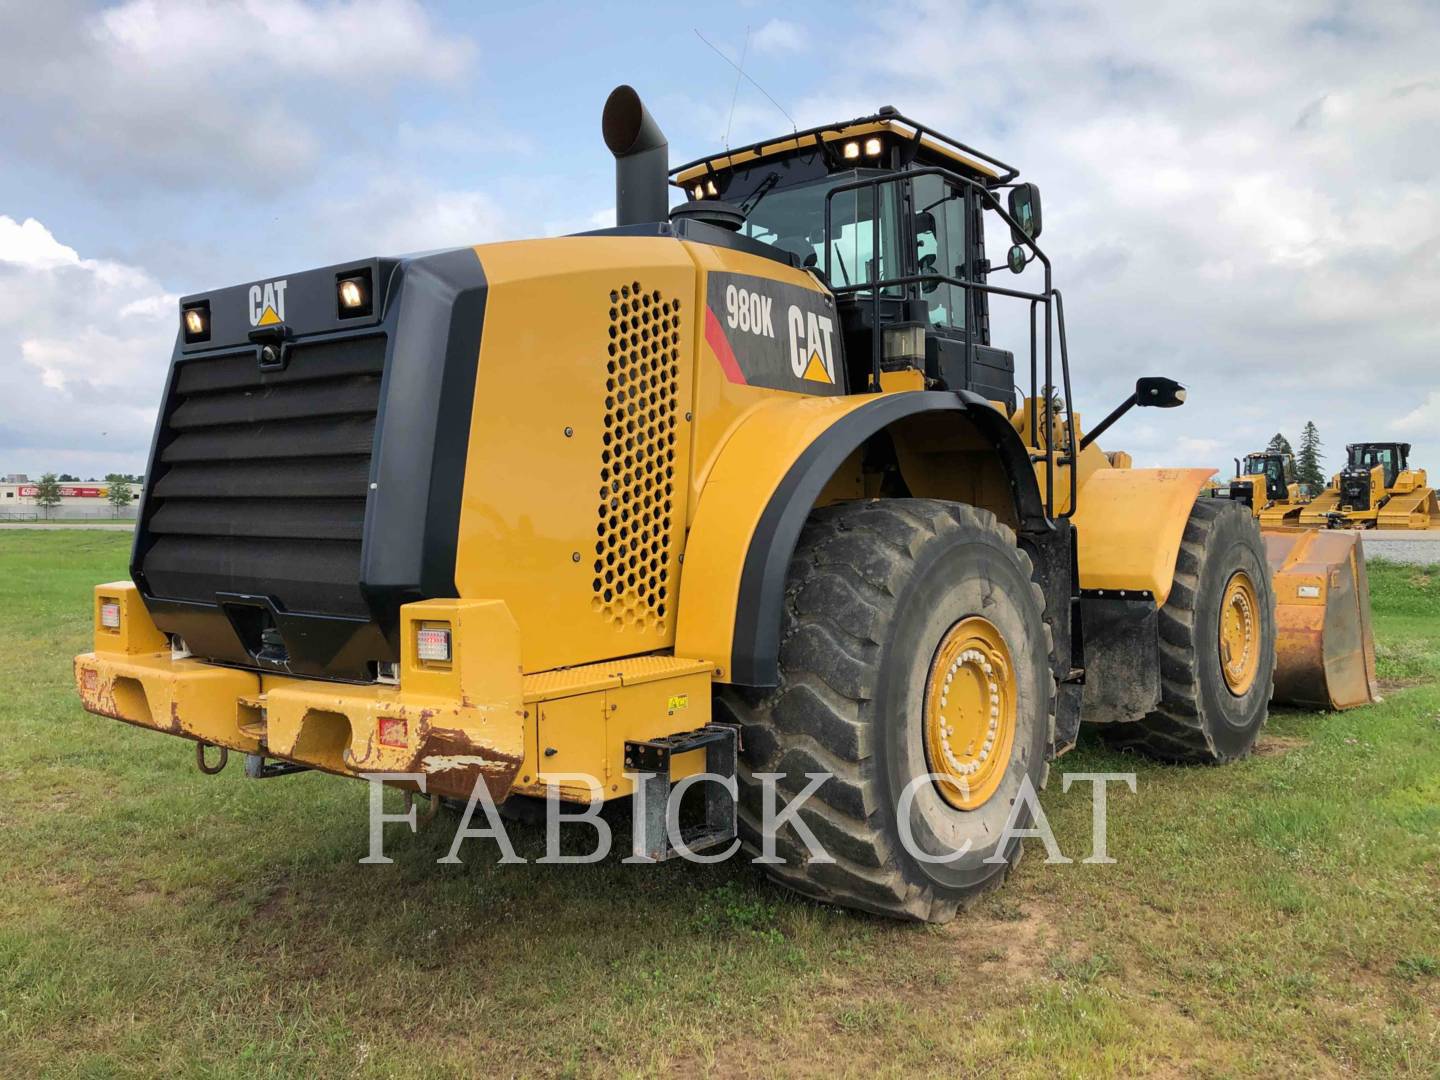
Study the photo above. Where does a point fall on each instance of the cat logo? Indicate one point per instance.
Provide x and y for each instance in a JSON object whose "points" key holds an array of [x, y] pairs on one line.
{"points": [[267, 303], [810, 352]]}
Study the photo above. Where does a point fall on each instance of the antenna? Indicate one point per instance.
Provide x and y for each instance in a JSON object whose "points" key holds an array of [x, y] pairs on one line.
{"points": [[740, 74], [734, 94]]}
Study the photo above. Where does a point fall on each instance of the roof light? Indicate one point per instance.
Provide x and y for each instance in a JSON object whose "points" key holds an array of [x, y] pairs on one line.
{"points": [[851, 151], [110, 614], [873, 147], [697, 192], [710, 187], [432, 643]]}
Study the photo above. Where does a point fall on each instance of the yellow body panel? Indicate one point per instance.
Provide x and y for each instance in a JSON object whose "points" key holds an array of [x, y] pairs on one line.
{"points": [[580, 719], [720, 404], [737, 489], [463, 721], [558, 417], [1129, 526]]}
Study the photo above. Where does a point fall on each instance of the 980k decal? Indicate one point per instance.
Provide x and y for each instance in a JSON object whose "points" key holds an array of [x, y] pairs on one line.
{"points": [[768, 333]]}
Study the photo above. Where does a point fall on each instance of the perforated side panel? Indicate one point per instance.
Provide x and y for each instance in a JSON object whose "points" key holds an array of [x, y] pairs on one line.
{"points": [[637, 464]]}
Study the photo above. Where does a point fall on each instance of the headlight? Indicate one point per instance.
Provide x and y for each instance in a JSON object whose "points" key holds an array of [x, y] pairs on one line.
{"points": [[873, 147], [851, 151]]}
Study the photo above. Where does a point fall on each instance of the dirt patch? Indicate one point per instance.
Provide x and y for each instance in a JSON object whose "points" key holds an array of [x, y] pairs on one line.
{"points": [[1275, 745], [273, 903], [1386, 685]]}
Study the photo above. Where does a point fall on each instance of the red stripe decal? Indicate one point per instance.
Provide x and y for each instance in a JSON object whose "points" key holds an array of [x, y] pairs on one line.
{"points": [[720, 346]]}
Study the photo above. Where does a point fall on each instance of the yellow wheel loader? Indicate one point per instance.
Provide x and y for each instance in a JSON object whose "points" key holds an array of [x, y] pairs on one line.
{"points": [[1376, 489], [741, 488]]}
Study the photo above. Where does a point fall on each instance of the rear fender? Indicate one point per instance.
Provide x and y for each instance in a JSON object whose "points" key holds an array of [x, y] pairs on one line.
{"points": [[771, 474]]}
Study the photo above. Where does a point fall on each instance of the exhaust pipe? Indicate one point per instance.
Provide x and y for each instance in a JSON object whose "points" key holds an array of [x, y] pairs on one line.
{"points": [[642, 159]]}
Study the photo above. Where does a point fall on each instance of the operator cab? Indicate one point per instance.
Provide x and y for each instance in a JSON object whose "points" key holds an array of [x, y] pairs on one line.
{"points": [[1277, 469], [1392, 457], [889, 212]]}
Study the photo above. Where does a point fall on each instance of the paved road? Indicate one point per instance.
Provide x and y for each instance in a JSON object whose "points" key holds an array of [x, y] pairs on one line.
{"points": [[1420, 548], [96, 526]]}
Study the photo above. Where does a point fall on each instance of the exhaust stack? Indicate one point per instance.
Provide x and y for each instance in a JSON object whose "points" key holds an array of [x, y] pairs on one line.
{"points": [[642, 159]]}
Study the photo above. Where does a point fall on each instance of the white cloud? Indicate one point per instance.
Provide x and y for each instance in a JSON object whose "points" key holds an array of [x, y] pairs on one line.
{"points": [[778, 36], [1425, 418], [1242, 197], [399, 215], [228, 94], [87, 342]]}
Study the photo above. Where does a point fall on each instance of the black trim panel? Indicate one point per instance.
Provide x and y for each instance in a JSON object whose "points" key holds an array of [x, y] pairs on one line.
{"points": [[431, 317], [755, 648]]}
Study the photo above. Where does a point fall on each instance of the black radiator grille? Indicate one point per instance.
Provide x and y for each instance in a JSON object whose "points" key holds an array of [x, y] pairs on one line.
{"points": [[261, 479]]}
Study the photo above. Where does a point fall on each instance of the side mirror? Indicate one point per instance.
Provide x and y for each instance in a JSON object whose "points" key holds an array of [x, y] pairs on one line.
{"points": [[1025, 209], [1159, 392], [1016, 259]]}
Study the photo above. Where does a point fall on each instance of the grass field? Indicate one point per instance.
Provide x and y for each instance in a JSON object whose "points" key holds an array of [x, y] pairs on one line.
{"points": [[1277, 915]]}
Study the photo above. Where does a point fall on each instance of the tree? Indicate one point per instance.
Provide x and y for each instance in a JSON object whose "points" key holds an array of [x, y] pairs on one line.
{"points": [[119, 494], [1307, 462], [1278, 444], [66, 478], [47, 492]]}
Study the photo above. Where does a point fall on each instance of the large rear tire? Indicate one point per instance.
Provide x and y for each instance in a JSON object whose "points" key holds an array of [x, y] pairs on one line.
{"points": [[914, 645], [1217, 645]]}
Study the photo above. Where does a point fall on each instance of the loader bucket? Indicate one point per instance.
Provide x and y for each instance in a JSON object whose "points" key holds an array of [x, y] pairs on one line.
{"points": [[1325, 652]]}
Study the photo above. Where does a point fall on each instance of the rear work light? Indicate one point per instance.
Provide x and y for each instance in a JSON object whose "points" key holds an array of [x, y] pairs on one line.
{"points": [[432, 643], [110, 614]]}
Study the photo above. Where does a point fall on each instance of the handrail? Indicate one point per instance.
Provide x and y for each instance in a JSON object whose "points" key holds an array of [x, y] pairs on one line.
{"points": [[1050, 297]]}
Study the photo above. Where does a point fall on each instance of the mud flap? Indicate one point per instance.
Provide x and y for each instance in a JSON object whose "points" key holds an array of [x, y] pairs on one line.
{"points": [[1325, 653]]}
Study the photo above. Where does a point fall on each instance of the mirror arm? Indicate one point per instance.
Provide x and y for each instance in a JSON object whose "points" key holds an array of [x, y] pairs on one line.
{"points": [[1104, 425]]}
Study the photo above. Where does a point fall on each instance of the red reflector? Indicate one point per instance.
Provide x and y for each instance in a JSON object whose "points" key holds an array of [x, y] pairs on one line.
{"points": [[393, 731], [433, 643]]}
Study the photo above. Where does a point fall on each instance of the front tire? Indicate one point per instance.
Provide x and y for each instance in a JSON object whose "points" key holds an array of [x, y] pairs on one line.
{"points": [[1217, 645], [913, 644]]}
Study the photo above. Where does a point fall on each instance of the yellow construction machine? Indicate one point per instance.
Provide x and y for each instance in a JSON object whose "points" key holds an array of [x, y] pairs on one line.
{"points": [[1266, 483], [741, 486], [1376, 489]]}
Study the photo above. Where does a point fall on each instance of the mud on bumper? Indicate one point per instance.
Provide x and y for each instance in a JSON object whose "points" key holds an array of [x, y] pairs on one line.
{"points": [[456, 722]]}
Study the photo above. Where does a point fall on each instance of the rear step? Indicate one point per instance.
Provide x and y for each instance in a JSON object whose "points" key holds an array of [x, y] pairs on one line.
{"points": [[649, 762]]}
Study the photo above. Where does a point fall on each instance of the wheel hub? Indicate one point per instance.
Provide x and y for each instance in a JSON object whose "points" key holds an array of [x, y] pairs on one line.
{"points": [[1239, 633], [970, 702]]}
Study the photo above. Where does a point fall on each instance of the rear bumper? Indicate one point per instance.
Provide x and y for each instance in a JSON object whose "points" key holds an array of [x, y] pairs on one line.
{"points": [[457, 723]]}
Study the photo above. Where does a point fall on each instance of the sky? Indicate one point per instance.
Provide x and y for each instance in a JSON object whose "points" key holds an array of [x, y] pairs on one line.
{"points": [[1242, 196]]}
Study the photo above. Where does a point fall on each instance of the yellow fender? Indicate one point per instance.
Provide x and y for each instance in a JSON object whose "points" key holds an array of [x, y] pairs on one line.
{"points": [[1128, 529], [771, 472]]}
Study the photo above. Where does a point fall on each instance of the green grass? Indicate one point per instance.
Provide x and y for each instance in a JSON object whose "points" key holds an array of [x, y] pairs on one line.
{"points": [[1275, 916]]}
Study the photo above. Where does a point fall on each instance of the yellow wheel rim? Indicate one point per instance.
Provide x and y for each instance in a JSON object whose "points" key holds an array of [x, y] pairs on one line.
{"points": [[1240, 634], [970, 703]]}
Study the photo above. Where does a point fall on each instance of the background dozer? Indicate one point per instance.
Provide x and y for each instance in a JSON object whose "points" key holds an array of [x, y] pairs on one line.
{"points": [[594, 506], [1325, 654], [1377, 488], [1266, 483]]}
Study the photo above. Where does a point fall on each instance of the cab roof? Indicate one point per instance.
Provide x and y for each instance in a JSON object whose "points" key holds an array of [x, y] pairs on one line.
{"points": [[941, 149]]}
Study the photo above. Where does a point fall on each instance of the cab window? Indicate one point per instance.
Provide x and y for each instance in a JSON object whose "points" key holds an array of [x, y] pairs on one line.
{"points": [[793, 219], [940, 248]]}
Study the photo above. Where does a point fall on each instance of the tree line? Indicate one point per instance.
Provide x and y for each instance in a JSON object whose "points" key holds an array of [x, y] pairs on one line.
{"points": [[48, 494], [1307, 458]]}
